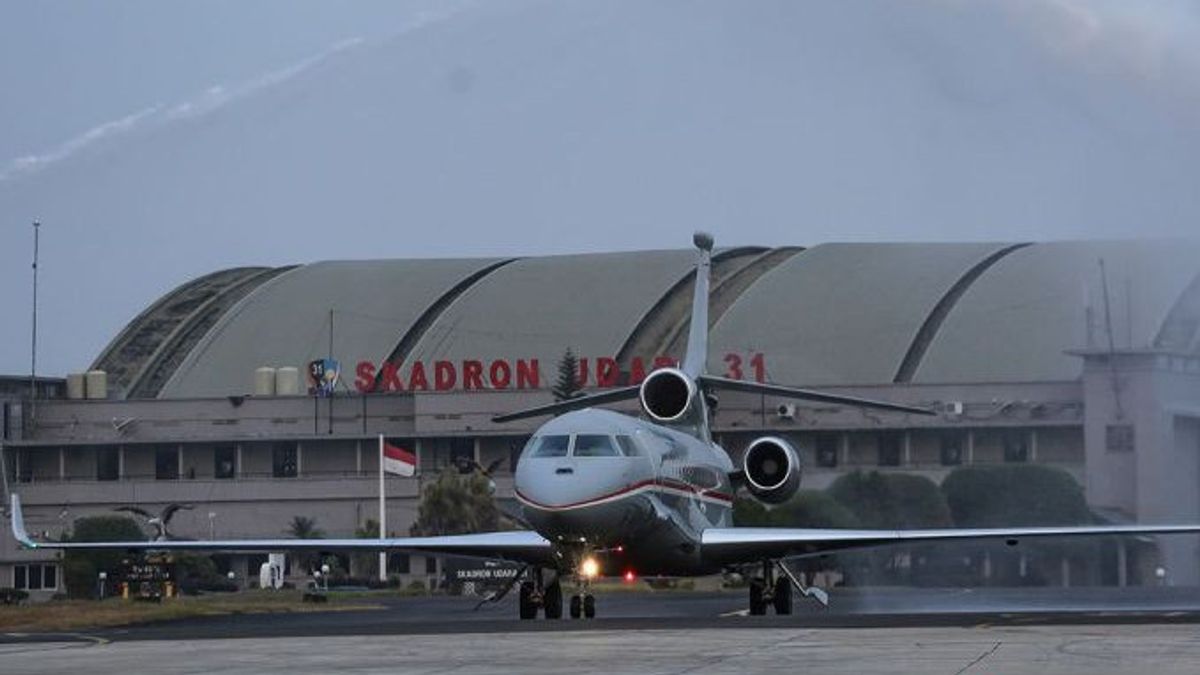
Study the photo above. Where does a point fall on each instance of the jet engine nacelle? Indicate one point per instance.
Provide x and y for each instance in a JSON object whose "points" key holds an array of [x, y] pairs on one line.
{"points": [[667, 394], [772, 470]]}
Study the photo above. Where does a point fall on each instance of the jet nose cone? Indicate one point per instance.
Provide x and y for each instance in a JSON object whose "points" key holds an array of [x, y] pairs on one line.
{"points": [[561, 483]]}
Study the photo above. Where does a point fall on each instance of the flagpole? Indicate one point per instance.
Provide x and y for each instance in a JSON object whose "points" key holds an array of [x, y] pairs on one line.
{"points": [[382, 515]]}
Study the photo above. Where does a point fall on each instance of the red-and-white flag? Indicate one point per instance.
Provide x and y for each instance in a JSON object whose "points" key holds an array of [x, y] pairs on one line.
{"points": [[397, 460]]}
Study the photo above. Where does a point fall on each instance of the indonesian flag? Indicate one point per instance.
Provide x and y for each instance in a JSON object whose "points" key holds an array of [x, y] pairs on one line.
{"points": [[397, 460]]}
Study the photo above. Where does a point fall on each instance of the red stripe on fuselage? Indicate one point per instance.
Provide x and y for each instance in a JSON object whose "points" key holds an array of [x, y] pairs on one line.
{"points": [[661, 482]]}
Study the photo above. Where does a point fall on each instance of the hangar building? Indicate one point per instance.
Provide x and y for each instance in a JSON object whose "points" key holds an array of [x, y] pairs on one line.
{"points": [[1083, 355]]}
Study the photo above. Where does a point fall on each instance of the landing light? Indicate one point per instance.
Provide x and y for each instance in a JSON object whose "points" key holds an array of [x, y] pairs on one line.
{"points": [[589, 568]]}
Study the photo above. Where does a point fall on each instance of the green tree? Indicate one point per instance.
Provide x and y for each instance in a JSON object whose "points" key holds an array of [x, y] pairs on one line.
{"points": [[81, 569], [456, 504], [814, 509], [892, 501], [303, 527], [1014, 495], [749, 512], [1020, 495], [195, 573], [567, 386]]}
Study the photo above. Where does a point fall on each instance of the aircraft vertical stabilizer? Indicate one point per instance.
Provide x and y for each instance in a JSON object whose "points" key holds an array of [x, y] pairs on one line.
{"points": [[695, 359]]}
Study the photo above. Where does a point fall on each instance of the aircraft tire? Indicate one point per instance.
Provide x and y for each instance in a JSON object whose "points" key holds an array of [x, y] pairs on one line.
{"points": [[527, 607], [552, 602], [576, 606], [783, 596], [589, 606], [758, 604]]}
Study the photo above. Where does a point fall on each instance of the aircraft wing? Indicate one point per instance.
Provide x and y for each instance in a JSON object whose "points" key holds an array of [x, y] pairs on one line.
{"points": [[733, 545], [519, 546]]}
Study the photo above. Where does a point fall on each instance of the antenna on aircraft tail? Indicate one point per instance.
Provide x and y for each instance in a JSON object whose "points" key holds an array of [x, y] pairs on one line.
{"points": [[697, 345]]}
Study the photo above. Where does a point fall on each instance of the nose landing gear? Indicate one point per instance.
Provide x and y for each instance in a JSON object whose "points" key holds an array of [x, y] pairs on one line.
{"points": [[583, 605]]}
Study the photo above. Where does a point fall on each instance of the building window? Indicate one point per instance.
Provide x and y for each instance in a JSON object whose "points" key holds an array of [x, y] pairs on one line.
{"points": [[431, 564], [108, 463], [462, 449], [24, 469], [224, 461], [438, 453], [1119, 438], [35, 577], [952, 449], [515, 448], [1016, 446], [889, 449], [285, 459], [166, 462], [827, 450], [399, 563]]}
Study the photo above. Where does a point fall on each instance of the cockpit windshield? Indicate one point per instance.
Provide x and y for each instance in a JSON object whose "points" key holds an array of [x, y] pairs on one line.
{"points": [[550, 446], [595, 445]]}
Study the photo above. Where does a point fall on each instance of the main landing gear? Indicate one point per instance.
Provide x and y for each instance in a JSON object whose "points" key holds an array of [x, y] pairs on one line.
{"points": [[535, 594], [776, 590]]}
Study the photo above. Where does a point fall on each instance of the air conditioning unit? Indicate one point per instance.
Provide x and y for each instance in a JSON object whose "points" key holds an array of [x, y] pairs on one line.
{"points": [[786, 411], [953, 407]]}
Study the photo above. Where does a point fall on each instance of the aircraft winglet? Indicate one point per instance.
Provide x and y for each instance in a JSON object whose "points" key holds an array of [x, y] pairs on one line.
{"points": [[18, 524]]}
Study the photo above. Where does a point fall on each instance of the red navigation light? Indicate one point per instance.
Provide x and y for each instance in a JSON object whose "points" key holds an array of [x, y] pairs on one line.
{"points": [[620, 548], [630, 577]]}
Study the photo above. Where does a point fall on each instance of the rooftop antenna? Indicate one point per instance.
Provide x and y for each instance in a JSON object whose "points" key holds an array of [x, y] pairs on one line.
{"points": [[1112, 348], [1089, 317], [33, 342]]}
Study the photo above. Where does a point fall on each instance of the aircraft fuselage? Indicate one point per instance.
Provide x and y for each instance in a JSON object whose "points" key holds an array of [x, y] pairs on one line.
{"points": [[634, 494]]}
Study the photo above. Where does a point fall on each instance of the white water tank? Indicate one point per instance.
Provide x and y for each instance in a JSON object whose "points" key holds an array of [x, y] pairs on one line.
{"points": [[75, 386], [264, 381], [287, 381], [96, 384]]}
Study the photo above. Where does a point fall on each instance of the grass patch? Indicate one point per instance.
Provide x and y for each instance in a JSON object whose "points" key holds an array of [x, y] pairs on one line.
{"points": [[75, 615]]}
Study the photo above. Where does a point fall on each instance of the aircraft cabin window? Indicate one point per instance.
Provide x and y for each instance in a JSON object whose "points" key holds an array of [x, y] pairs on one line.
{"points": [[551, 446], [595, 445], [628, 446]]}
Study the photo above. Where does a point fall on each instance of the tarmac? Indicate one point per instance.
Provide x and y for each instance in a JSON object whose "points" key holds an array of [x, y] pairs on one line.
{"points": [[1144, 630]]}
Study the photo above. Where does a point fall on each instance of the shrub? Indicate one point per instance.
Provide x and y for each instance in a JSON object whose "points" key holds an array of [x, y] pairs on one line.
{"points": [[81, 568]]}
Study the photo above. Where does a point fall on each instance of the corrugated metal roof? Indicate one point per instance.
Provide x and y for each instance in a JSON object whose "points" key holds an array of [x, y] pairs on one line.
{"points": [[537, 307], [286, 321], [833, 314], [1017, 321], [842, 313]]}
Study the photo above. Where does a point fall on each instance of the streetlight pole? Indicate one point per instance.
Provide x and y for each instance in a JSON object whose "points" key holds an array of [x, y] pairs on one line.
{"points": [[33, 342]]}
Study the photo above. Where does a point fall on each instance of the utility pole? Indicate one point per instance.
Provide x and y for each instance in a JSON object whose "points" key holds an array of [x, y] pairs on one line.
{"points": [[33, 348]]}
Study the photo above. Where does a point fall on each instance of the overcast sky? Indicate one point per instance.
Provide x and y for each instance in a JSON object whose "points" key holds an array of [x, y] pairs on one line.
{"points": [[160, 141]]}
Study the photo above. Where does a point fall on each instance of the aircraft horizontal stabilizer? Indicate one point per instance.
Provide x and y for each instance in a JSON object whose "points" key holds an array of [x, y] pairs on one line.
{"points": [[519, 546], [714, 382], [612, 396]]}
